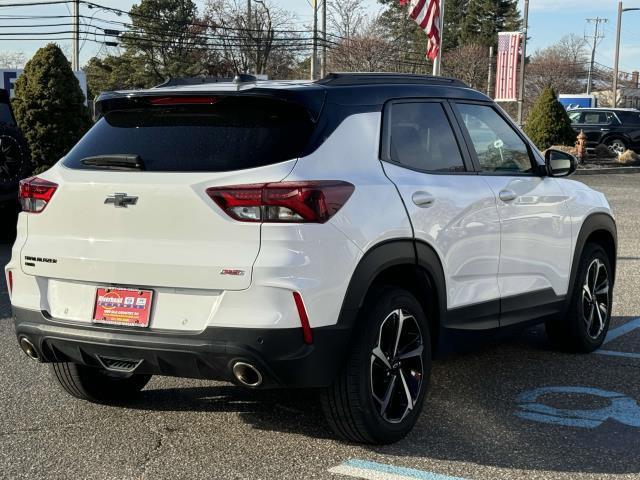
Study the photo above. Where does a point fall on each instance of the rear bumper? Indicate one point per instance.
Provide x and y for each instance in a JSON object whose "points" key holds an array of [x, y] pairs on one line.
{"points": [[280, 354]]}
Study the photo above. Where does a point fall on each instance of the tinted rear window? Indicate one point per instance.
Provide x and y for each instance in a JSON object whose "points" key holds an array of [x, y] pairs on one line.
{"points": [[233, 134]]}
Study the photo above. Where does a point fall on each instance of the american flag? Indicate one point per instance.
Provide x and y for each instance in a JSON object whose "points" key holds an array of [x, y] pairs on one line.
{"points": [[426, 13], [507, 66]]}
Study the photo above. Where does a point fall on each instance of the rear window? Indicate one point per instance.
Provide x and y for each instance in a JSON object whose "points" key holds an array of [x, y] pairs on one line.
{"points": [[232, 134]]}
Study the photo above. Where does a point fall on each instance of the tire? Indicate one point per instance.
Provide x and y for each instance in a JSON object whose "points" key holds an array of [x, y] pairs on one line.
{"points": [[15, 161], [586, 325], [354, 404], [616, 145], [96, 384]]}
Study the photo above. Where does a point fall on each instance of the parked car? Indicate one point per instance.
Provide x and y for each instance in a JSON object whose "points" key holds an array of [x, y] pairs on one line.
{"points": [[15, 164], [617, 128], [332, 234]]}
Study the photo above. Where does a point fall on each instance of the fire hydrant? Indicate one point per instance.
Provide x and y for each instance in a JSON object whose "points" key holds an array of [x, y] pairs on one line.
{"points": [[581, 147]]}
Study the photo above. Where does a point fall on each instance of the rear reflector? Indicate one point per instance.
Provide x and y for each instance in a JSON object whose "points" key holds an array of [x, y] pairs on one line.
{"points": [[283, 202], [35, 193], [307, 334], [10, 281]]}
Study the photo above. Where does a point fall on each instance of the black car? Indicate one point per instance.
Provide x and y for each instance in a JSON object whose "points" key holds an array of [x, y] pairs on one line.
{"points": [[617, 128], [15, 164]]}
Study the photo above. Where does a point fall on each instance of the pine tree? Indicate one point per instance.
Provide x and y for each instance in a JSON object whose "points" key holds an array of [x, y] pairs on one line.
{"points": [[548, 123], [454, 14], [49, 106], [483, 20]]}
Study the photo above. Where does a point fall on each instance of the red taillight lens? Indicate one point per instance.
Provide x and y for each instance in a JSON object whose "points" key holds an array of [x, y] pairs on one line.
{"points": [[283, 202], [35, 194], [307, 334]]}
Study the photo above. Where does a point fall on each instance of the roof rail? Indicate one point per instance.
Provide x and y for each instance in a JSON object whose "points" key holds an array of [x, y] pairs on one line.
{"points": [[174, 82], [374, 78]]}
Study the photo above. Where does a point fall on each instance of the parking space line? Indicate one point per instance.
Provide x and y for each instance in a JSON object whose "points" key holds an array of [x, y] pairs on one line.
{"points": [[622, 330], [619, 354], [381, 471]]}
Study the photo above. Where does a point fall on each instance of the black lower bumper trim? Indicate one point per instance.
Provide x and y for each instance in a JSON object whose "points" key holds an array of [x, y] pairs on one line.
{"points": [[280, 354]]}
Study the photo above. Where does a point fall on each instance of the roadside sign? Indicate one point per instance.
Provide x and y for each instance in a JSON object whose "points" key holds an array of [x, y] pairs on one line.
{"points": [[9, 75], [578, 101]]}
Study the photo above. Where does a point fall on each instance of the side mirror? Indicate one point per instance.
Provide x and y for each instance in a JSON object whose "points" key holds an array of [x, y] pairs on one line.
{"points": [[559, 163]]}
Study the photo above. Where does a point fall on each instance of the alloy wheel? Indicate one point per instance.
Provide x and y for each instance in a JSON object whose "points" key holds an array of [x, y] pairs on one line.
{"points": [[595, 298], [11, 158], [397, 369], [617, 147]]}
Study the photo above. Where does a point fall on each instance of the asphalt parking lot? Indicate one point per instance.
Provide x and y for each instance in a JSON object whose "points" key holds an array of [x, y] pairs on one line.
{"points": [[508, 410]]}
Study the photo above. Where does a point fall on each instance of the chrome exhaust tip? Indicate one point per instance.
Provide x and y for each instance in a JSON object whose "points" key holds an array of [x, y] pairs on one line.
{"points": [[247, 374], [29, 349]]}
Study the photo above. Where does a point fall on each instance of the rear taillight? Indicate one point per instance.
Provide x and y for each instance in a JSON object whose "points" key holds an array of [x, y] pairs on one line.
{"points": [[283, 202], [36, 193]]}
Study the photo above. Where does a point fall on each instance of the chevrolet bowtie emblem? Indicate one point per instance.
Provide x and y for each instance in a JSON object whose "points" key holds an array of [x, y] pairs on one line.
{"points": [[120, 200]]}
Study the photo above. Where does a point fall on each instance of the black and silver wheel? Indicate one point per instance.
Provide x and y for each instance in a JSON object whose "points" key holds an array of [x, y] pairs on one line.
{"points": [[396, 366], [587, 322], [97, 384], [616, 145], [378, 396]]}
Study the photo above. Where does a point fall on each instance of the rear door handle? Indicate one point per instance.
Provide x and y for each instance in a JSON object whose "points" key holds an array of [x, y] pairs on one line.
{"points": [[605, 129], [423, 199], [507, 195]]}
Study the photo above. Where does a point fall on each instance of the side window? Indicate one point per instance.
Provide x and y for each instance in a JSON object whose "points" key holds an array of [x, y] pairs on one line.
{"points": [[498, 147], [420, 137], [611, 119], [595, 118], [576, 117]]}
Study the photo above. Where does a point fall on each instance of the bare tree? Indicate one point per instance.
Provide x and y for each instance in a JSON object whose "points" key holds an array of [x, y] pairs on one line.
{"points": [[12, 59], [364, 50], [346, 18], [248, 47], [469, 63], [562, 66]]}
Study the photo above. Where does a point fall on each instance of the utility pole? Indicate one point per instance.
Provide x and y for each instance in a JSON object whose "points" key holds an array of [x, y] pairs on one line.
{"points": [[75, 46], [314, 54], [437, 63], [490, 78], [249, 34], [523, 62], [323, 60], [597, 35], [616, 61]]}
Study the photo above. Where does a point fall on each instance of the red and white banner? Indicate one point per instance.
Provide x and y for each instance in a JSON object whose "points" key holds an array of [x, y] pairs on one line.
{"points": [[507, 66], [426, 13]]}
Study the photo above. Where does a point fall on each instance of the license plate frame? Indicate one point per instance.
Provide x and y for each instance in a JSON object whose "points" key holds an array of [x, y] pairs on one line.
{"points": [[122, 307]]}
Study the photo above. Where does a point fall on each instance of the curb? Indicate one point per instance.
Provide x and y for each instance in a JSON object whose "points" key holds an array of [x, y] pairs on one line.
{"points": [[607, 170]]}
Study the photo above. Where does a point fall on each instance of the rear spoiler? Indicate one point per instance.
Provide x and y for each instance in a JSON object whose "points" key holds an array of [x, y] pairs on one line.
{"points": [[311, 98]]}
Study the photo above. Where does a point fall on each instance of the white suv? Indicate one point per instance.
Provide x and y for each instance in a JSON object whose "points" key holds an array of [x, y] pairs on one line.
{"points": [[332, 234]]}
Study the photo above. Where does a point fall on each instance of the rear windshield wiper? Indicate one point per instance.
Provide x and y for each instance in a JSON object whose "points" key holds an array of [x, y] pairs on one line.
{"points": [[114, 162]]}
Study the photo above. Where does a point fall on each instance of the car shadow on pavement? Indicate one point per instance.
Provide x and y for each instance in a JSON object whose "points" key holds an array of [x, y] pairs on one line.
{"points": [[291, 411], [470, 414]]}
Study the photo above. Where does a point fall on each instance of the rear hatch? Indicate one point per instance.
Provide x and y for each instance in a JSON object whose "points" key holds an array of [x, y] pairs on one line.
{"points": [[131, 206]]}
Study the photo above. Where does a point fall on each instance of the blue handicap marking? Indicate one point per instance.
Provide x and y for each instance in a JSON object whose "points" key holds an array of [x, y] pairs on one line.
{"points": [[621, 408], [617, 332]]}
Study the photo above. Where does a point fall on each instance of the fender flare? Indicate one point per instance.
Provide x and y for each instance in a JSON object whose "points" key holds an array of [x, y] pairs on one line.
{"points": [[594, 222], [383, 256]]}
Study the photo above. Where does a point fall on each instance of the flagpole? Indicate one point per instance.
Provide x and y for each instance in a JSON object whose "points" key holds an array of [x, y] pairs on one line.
{"points": [[437, 63]]}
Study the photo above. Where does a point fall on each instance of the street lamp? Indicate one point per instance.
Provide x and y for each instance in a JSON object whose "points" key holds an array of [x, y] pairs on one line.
{"points": [[621, 10]]}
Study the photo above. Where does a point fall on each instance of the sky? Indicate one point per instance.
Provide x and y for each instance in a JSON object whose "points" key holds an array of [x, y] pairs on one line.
{"points": [[549, 20]]}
